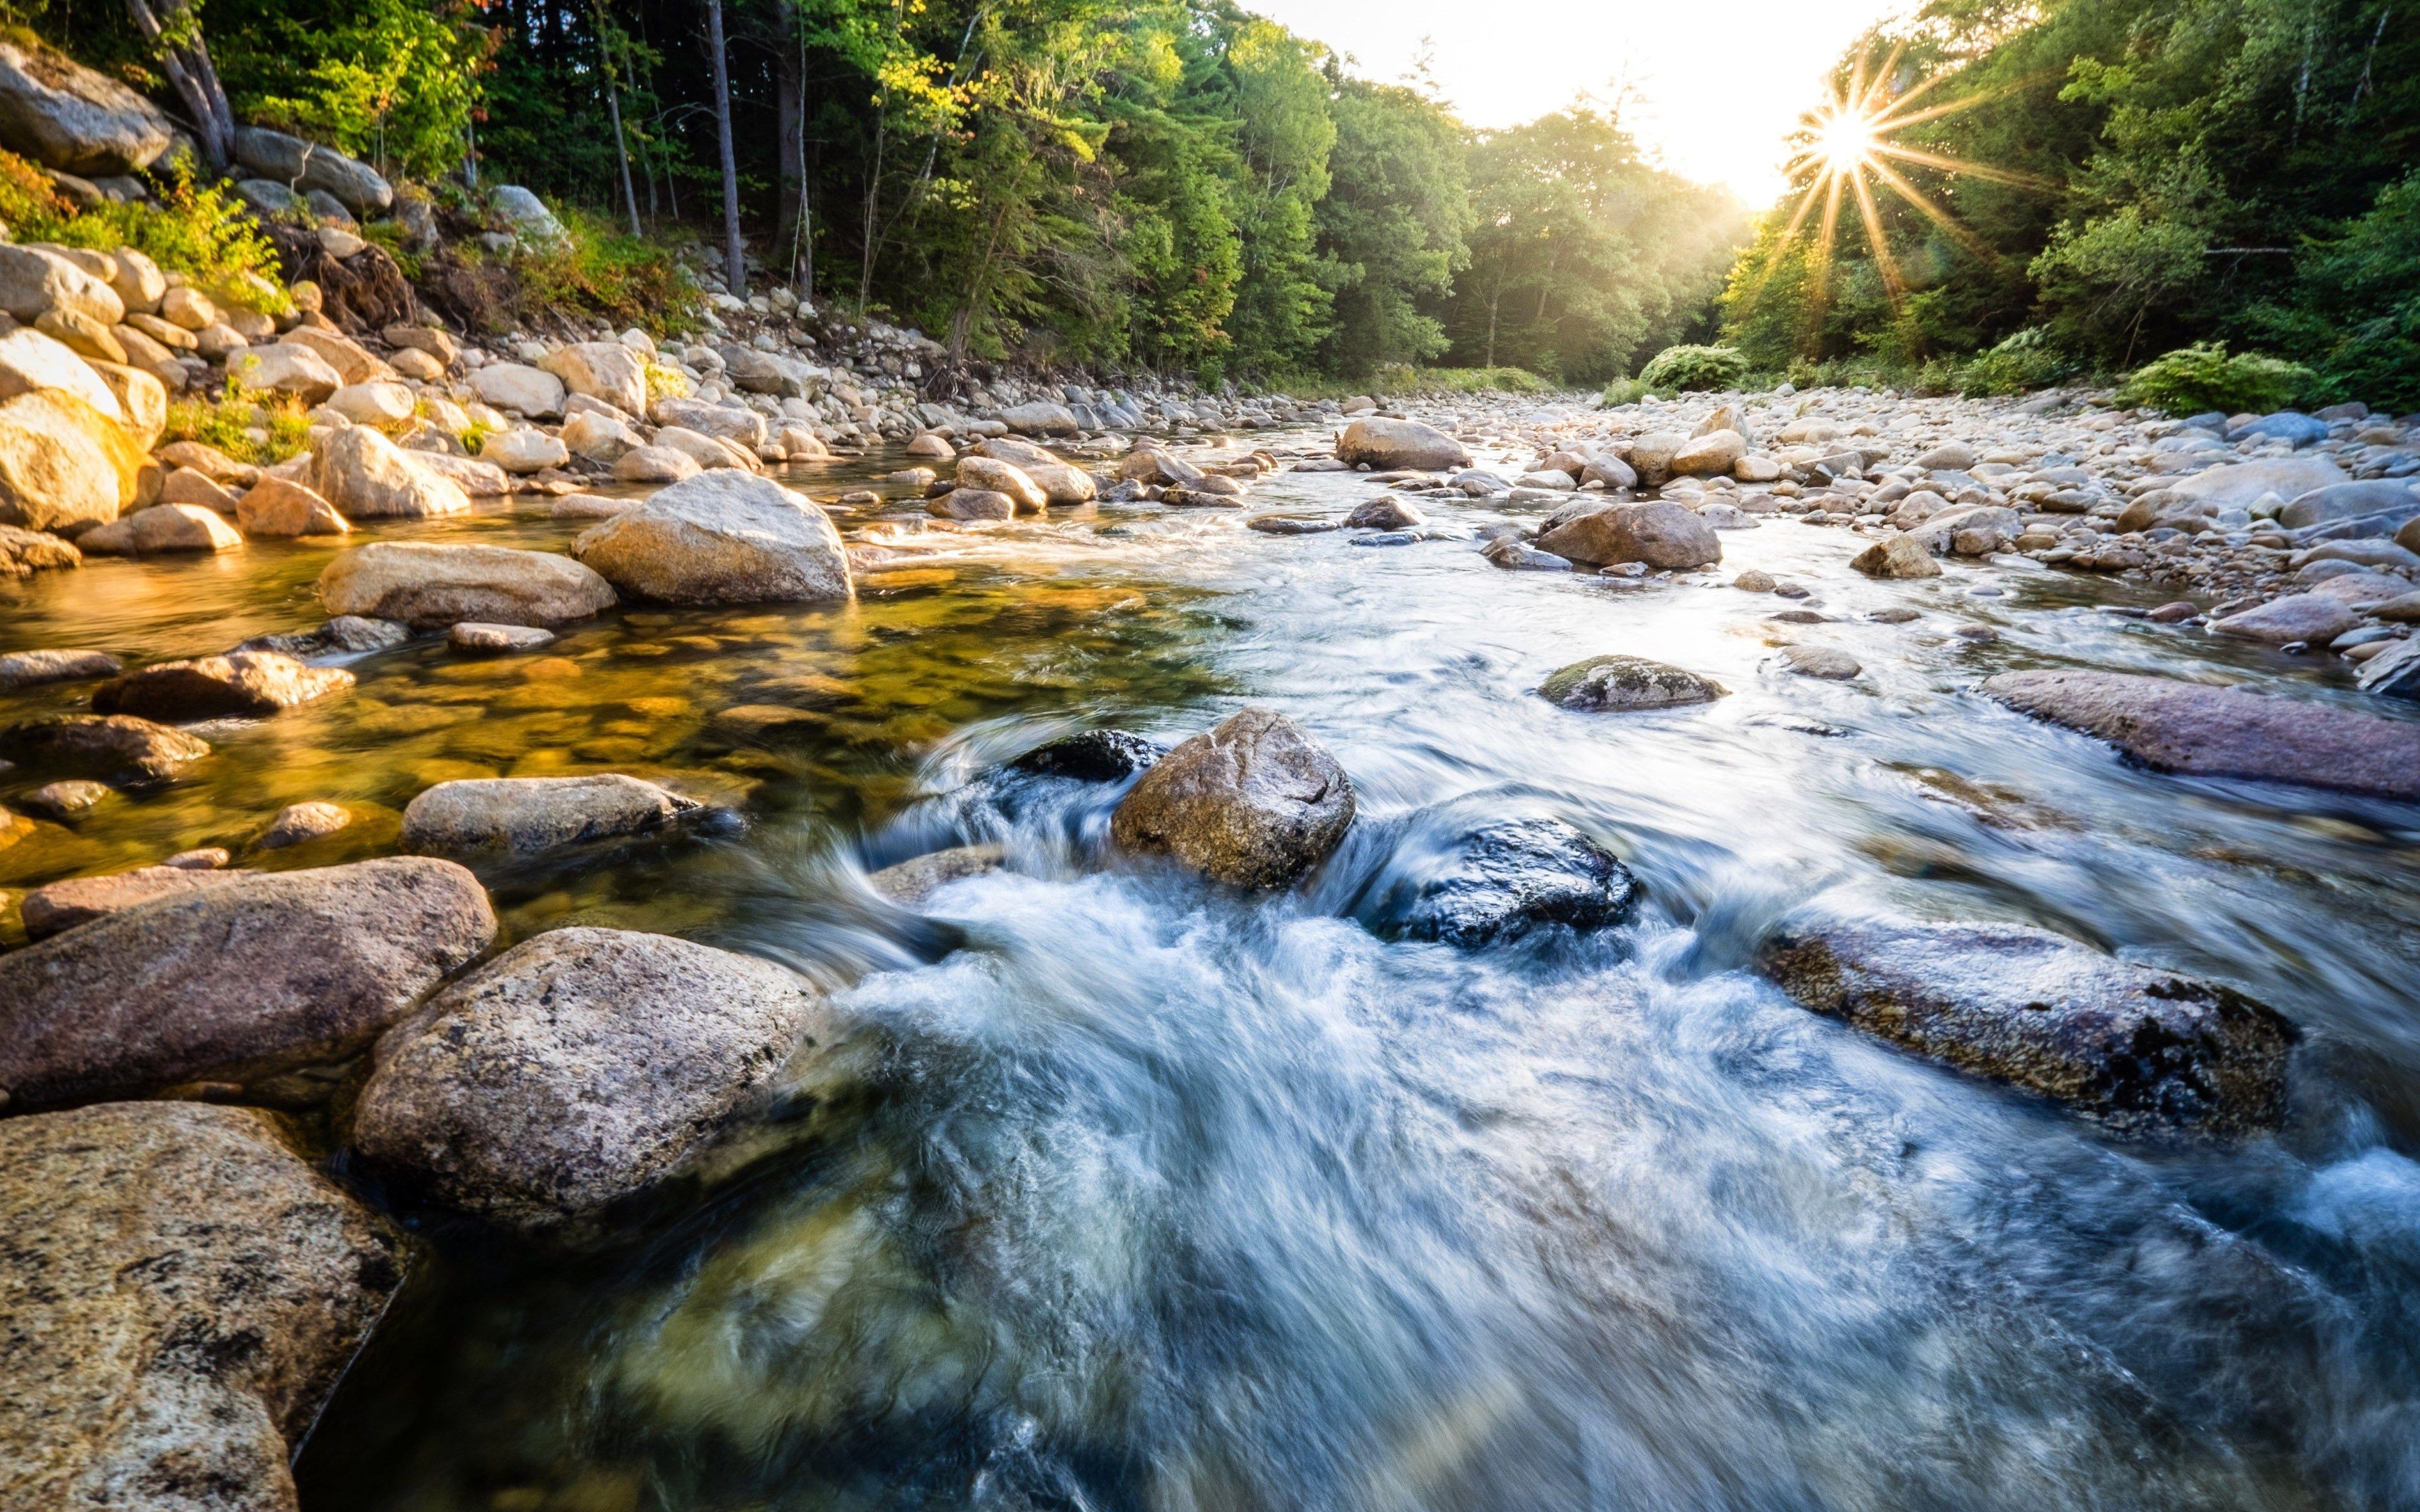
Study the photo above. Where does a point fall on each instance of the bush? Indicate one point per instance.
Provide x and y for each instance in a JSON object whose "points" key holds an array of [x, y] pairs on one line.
{"points": [[199, 231], [2191, 379], [600, 272], [2019, 364], [260, 428], [1688, 368]]}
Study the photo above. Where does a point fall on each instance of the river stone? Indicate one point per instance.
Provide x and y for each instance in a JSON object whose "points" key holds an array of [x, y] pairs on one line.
{"points": [[240, 685], [912, 881], [604, 370], [525, 450], [427, 585], [1617, 684], [2240, 485], [2318, 618], [992, 475], [299, 824], [70, 117], [109, 746], [483, 818], [37, 280], [1384, 513], [2201, 731], [470, 635], [1901, 556], [1609, 470], [581, 1067], [347, 635], [234, 981], [1254, 803], [727, 422], [1148, 464], [286, 367], [531, 221], [1661, 534], [281, 507], [30, 669], [2350, 501], [63, 906], [600, 437], [519, 387], [1040, 420], [1710, 456], [24, 553], [31, 361], [1092, 756], [1400, 443], [161, 530], [2143, 1051], [1508, 878], [181, 1294], [63, 464], [723, 537], [365, 477], [1829, 663], [2394, 673], [476, 479], [1950, 456], [972, 504], [1969, 529]]}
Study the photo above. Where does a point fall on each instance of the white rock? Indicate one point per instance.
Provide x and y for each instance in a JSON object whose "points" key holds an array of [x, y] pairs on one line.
{"points": [[721, 537], [516, 386]]}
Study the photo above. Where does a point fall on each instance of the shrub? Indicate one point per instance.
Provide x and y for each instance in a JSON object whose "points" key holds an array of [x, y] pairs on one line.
{"points": [[199, 231], [597, 270], [257, 427], [2019, 364], [1689, 368], [2191, 379]]}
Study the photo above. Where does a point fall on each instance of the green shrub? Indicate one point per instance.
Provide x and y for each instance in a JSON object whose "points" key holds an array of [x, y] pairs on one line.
{"points": [[2191, 379], [1689, 368], [2019, 364], [262, 428], [199, 231], [598, 271]]}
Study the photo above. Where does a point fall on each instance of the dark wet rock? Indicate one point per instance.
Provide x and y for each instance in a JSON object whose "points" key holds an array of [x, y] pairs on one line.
{"points": [[504, 816], [2319, 617], [1830, 663], [31, 668], [1660, 535], [1901, 556], [236, 980], [1254, 803], [2201, 731], [63, 906], [242, 684], [912, 881], [1291, 525], [1092, 756], [65, 798], [2142, 1050], [102, 745], [1617, 684], [2395, 673], [578, 1068], [1505, 879], [181, 1293], [347, 635], [1384, 513]]}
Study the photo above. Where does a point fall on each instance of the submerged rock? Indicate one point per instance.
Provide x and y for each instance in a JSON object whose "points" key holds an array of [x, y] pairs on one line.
{"points": [[240, 684], [2216, 732], [1092, 756], [578, 1068], [914, 880], [1254, 803], [504, 816], [1615, 684], [30, 669], [2141, 1050], [182, 1292], [428, 586], [62, 905], [103, 745], [235, 981], [1508, 878]]}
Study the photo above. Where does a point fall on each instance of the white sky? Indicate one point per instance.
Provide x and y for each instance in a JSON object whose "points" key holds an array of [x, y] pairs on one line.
{"points": [[1716, 86]]}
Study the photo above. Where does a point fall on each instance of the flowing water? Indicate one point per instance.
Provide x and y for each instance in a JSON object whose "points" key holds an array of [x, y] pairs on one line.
{"points": [[1124, 1193]]}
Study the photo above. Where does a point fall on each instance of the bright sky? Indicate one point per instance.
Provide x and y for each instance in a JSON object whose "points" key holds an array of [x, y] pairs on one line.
{"points": [[1715, 85]]}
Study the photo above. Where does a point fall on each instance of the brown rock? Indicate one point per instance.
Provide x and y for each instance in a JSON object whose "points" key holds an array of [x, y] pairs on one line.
{"points": [[240, 685], [1254, 803], [23, 553], [1901, 556], [63, 906], [912, 881], [1617, 684], [1660, 535], [114, 744], [29, 669], [279, 507]]}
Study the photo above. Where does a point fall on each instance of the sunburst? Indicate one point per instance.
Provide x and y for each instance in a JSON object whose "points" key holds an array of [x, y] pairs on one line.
{"points": [[1849, 143]]}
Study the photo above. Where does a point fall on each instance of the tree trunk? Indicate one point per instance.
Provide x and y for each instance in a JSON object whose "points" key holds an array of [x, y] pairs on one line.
{"points": [[185, 58], [613, 108], [734, 270], [790, 134]]}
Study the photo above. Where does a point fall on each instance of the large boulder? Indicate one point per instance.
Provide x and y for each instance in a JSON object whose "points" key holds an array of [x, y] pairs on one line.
{"points": [[368, 477], [1619, 684], [498, 817], [525, 450], [1710, 454], [2239, 484], [35, 281], [2318, 618], [578, 1068], [427, 585], [307, 165], [1661, 534], [235, 983], [1040, 420], [1502, 880], [23, 553], [1969, 529], [142, 400], [736, 423], [520, 388], [116, 745], [989, 474], [527, 214], [182, 1291], [31, 361], [63, 906], [287, 367], [65, 116], [2201, 731], [63, 465], [2350, 501], [604, 370], [278, 507], [1901, 556], [1400, 443], [2143, 1051], [1254, 803], [240, 685], [1061, 483], [723, 537]]}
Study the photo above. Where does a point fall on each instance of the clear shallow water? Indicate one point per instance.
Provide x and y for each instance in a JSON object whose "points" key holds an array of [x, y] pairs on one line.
{"points": [[1125, 1194]]}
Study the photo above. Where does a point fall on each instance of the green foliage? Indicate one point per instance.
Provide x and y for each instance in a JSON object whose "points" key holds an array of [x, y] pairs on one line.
{"points": [[2204, 376], [1688, 369], [2019, 363], [200, 230], [600, 271], [1392, 226], [2355, 306], [392, 82], [260, 428]]}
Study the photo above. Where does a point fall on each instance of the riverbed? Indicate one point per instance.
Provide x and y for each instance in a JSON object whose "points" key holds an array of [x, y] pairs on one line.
{"points": [[1127, 1193]]}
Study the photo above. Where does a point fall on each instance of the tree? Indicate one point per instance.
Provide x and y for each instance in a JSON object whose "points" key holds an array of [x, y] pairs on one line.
{"points": [[1392, 222], [735, 269], [175, 35]]}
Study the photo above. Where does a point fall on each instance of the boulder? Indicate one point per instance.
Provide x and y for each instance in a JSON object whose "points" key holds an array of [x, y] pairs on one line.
{"points": [[1092, 756], [286, 367], [138, 281], [1901, 556], [241, 685], [182, 1293], [720, 538], [1502, 880], [470, 635], [925, 443], [1619, 684], [1610, 470], [31, 668], [484, 818], [379, 403], [2141, 1050], [352, 361], [277, 507], [63, 906], [161, 530], [2394, 673], [1829, 663], [600, 437], [1040, 420], [736, 423], [63, 465], [37, 280], [1709, 455], [113, 746], [23, 553], [972, 504], [426, 585], [1384, 513], [2240, 485], [1969, 529], [236, 981], [365, 477], [2317, 618], [527, 214], [1386, 444], [31, 361], [1148, 464], [476, 479], [604, 370], [655, 464], [993, 475], [519, 389], [2200, 731], [912, 882], [1254, 803], [581, 1067], [1661, 534], [708, 451], [299, 824], [309, 165], [346, 635], [524, 451], [67, 117], [2350, 501], [142, 398]]}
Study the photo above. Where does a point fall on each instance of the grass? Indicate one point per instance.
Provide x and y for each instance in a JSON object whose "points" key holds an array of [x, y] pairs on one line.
{"points": [[252, 426]]}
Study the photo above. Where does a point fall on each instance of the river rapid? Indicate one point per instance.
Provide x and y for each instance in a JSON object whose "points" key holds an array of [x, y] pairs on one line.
{"points": [[1123, 1192]]}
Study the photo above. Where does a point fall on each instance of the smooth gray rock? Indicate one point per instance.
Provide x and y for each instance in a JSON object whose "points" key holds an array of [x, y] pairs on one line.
{"points": [[721, 537], [1619, 684], [519, 816], [65, 116], [914, 880], [1400, 443]]}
